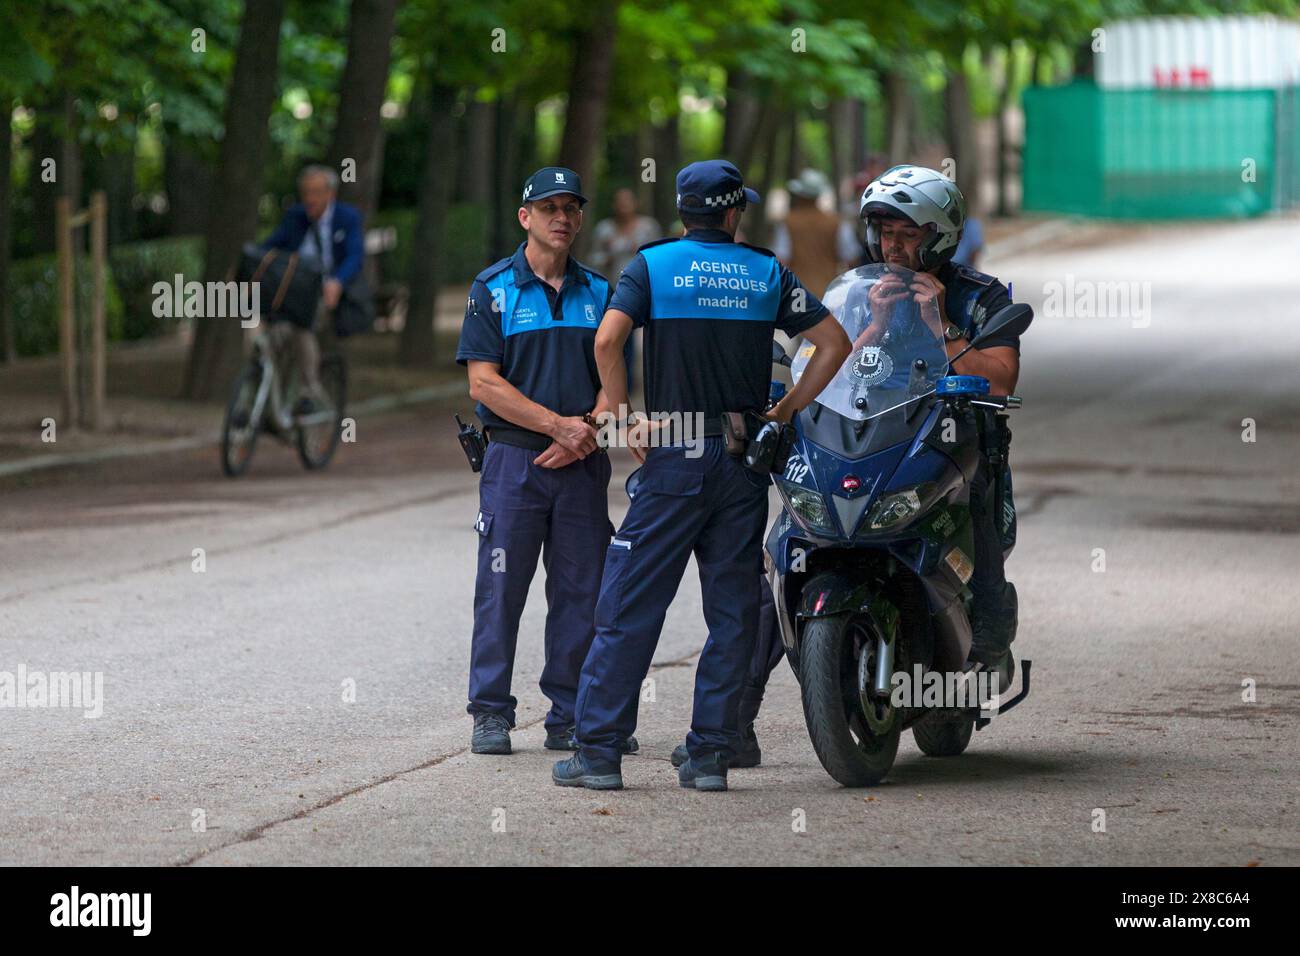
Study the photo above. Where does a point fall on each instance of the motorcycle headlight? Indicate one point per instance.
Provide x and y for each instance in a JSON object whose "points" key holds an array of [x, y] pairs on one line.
{"points": [[808, 508], [894, 509]]}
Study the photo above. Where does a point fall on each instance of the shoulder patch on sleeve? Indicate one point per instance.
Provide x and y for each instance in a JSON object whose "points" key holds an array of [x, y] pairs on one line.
{"points": [[495, 269], [971, 275]]}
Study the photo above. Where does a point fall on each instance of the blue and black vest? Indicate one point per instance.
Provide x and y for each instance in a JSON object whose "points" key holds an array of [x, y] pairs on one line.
{"points": [[708, 339], [550, 359]]}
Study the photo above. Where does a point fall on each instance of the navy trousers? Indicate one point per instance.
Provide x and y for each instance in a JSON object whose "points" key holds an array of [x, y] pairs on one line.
{"points": [[713, 507], [563, 515]]}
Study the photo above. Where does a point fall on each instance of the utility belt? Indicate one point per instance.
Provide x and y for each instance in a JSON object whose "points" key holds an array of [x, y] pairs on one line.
{"points": [[475, 442], [518, 437]]}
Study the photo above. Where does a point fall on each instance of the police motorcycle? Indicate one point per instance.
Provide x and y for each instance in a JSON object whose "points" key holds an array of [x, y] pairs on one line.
{"points": [[870, 557]]}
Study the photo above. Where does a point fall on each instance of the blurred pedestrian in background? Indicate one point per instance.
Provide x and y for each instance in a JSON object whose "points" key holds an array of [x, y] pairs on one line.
{"points": [[615, 243], [812, 243]]}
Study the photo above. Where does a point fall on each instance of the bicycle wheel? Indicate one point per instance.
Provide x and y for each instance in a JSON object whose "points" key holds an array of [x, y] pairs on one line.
{"points": [[239, 431], [319, 431]]}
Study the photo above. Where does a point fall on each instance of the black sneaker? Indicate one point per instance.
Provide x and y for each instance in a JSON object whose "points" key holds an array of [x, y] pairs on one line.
{"points": [[568, 740], [750, 754], [491, 735], [704, 773], [578, 771]]}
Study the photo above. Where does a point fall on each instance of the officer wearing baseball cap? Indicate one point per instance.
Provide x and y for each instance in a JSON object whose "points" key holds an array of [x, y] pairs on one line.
{"points": [[709, 306], [528, 341]]}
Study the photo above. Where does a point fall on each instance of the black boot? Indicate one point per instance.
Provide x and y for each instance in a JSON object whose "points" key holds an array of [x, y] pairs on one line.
{"points": [[994, 630]]}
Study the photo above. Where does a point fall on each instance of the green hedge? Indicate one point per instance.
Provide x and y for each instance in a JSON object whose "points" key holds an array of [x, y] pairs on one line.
{"points": [[464, 246], [132, 270], [34, 292], [138, 265]]}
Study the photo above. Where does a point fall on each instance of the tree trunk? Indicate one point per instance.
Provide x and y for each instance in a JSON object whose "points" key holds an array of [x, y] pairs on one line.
{"points": [[898, 98], [232, 219], [741, 117], [961, 137], [504, 162], [358, 129], [187, 178], [758, 145], [115, 174], [840, 130], [55, 138], [668, 156], [584, 120], [6, 201], [794, 145], [1000, 118], [476, 153], [859, 147], [418, 345]]}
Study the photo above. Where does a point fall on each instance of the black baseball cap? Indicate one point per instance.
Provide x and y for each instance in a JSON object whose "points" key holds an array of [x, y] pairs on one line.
{"points": [[712, 184], [551, 181]]}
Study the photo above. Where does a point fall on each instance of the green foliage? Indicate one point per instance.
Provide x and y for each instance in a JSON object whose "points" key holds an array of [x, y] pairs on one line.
{"points": [[136, 266], [34, 292], [464, 242]]}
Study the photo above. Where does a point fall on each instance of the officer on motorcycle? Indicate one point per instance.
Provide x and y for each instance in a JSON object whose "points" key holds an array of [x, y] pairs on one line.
{"points": [[914, 218]]}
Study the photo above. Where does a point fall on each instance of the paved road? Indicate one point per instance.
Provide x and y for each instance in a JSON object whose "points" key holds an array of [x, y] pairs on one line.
{"points": [[223, 693]]}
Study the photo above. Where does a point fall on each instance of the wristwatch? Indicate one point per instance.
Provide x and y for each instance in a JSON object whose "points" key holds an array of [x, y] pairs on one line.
{"points": [[952, 333]]}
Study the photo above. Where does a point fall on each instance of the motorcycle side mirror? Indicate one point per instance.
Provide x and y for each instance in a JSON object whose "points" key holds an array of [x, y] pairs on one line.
{"points": [[1007, 315], [778, 355]]}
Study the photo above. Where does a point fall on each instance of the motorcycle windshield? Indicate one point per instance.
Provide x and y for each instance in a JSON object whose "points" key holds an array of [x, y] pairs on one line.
{"points": [[896, 329]]}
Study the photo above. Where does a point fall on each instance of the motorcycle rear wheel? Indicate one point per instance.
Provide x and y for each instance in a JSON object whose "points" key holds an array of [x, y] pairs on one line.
{"points": [[852, 752], [943, 737]]}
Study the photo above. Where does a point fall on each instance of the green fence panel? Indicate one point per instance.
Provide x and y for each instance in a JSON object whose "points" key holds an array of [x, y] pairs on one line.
{"points": [[1159, 154]]}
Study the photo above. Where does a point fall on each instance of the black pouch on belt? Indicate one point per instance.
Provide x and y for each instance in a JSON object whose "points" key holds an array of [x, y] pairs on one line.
{"points": [[736, 432]]}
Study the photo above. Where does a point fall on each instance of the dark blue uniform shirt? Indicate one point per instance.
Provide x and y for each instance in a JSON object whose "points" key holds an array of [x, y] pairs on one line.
{"points": [[971, 297], [709, 305], [543, 340]]}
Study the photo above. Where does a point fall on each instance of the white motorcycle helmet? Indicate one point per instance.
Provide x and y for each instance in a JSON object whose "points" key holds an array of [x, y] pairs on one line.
{"points": [[922, 197]]}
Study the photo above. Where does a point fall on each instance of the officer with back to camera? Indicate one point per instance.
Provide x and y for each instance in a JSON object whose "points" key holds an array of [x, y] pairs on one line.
{"points": [[709, 306]]}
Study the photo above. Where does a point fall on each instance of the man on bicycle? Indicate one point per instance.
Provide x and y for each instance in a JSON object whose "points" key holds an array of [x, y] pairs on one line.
{"points": [[327, 234]]}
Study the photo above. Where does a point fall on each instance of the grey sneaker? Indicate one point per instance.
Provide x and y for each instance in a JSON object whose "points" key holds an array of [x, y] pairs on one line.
{"points": [[491, 735], [750, 754], [704, 773], [578, 771]]}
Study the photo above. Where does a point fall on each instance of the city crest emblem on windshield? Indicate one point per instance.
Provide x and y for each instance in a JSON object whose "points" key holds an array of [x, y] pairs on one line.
{"points": [[873, 365]]}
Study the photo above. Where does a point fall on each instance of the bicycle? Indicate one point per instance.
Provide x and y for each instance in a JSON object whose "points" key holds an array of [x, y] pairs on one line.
{"points": [[263, 399]]}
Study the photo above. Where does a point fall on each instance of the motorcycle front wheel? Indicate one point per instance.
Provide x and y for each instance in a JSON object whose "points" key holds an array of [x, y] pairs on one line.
{"points": [[856, 748]]}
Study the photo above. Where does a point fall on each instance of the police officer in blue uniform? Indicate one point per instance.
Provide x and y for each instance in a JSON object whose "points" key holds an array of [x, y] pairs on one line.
{"points": [[708, 306], [915, 218], [528, 341]]}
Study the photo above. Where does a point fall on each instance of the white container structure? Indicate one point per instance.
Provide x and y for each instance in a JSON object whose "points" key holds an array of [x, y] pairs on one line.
{"points": [[1198, 53]]}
